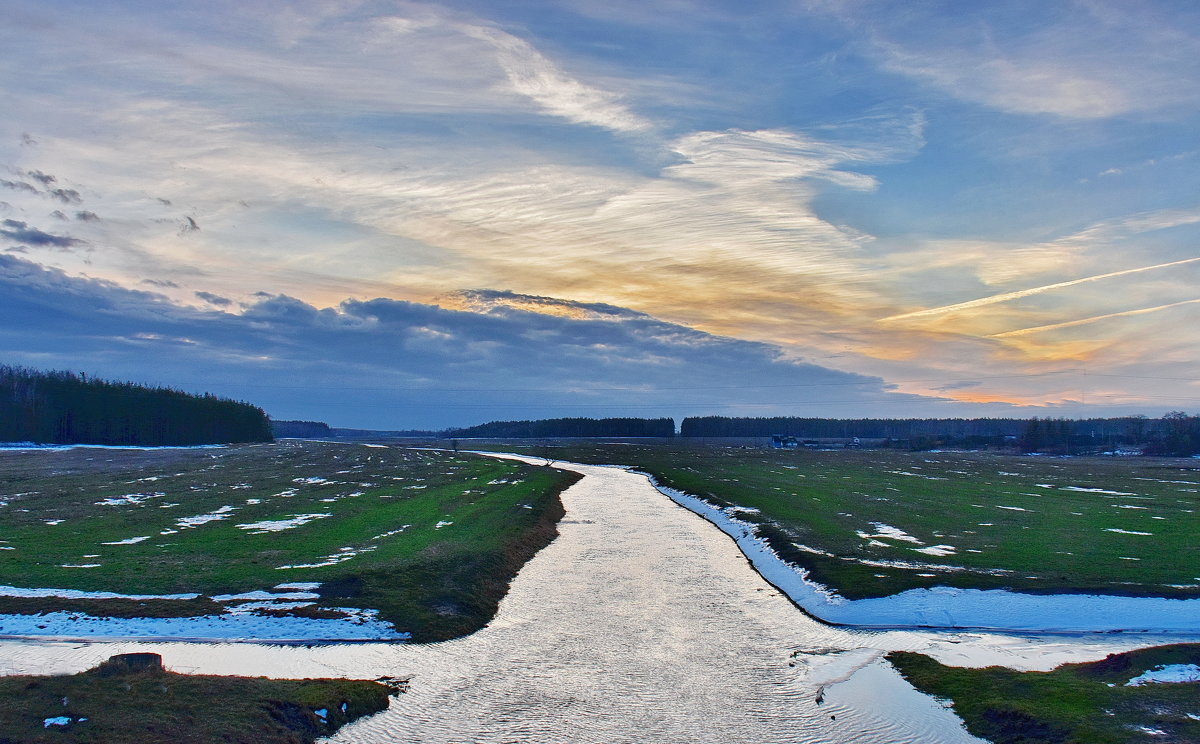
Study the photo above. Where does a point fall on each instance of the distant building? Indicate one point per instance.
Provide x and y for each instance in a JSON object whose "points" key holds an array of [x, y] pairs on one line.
{"points": [[778, 441]]}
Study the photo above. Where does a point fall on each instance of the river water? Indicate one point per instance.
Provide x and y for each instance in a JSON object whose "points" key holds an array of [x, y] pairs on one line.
{"points": [[640, 623]]}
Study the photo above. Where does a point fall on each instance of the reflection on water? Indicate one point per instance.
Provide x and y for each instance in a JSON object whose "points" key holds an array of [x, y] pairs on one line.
{"points": [[641, 622]]}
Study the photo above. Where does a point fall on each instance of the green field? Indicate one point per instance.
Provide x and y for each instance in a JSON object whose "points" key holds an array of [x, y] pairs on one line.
{"points": [[112, 703], [430, 539], [871, 523], [1075, 703]]}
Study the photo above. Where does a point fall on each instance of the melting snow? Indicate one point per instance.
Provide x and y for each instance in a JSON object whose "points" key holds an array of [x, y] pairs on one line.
{"points": [[440, 525], [130, 498], [1012, 508], [279, 525], [1167, 673], [1126, 532], [938, 550], [199, 519], [128, 541], [889, 532]]}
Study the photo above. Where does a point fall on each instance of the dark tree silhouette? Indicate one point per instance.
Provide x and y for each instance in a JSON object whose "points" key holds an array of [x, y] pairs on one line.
{"points": [[66, 408]]}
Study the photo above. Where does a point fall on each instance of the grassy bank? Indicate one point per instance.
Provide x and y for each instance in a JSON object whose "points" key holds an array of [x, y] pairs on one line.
{"points": [[876, 522], [1076, 703], [429, 539], [114, 703]]}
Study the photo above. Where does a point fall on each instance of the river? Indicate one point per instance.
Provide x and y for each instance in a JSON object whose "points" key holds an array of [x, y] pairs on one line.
{"points": [[640, 623]]}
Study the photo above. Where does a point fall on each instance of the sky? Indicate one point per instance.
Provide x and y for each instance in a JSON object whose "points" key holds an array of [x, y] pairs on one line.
{"points": [[421, 215]]}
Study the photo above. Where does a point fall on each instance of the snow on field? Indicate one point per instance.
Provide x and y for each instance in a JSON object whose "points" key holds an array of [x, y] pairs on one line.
{"points": [[440, 525], [945, 607], [389, 533], [1126, 532], [889, 532], [915, 475], [1012, 508], [343, 555], [130, 498], [35, 447], [199, 519], [304, 586], [357, 625], [279, 525], [80, 565], [262, 595], [940, 551], [127, 541], [1168, 674], [16, 591]]}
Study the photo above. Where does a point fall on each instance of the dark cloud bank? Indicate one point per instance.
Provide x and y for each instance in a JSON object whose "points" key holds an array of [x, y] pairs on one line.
{"points": [[393, 364]]}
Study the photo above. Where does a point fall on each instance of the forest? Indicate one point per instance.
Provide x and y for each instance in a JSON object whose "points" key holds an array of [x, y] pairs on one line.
{"points": [[58, 407], [1176, 433], [569, 427]]}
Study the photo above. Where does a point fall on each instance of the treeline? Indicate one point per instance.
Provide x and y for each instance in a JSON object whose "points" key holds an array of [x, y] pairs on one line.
{"points": [[824, 428], [1174, 434], [569, 427], [297, 429], [67, 408]]}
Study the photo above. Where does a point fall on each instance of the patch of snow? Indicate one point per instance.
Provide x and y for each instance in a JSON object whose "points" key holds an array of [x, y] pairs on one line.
{"points": [[343, 555], [313, 480], [1126, 532], [1012, 508], [914, 475], [199, 519], [389, 533], [1094, 490], [304, 586], [357, 624], [937, 550], [322, 713], [279, 525], [128, 541], [263, 595], [130, 498], [80, 565], [440, 525], [53, 522], [889, 532], [56, 721]]}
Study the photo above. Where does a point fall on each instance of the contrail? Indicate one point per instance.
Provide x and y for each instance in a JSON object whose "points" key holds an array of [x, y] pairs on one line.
{"points": [[1084, 321], [1006, 296]]}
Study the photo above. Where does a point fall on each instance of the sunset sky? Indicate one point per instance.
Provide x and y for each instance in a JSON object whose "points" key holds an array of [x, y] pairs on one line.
{"points": [[418, 215]]}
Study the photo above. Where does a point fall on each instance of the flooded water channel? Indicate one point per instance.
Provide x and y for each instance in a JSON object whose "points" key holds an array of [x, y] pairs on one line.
{"points": [[641, 623]]}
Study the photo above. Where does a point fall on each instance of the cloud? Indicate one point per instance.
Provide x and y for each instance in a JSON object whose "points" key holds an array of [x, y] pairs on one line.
{"points": [[43, 178], [87, 216], [1009, 296], [66, 196], [18, 186], [1085, 60], [214, 299], [531, 74], [391, 363], [22, 233]]}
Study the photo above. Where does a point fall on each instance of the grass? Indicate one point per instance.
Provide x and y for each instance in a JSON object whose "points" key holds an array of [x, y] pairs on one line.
{"points": [[152, 706], [429, 539], [1011, 522], [1073, 704]]}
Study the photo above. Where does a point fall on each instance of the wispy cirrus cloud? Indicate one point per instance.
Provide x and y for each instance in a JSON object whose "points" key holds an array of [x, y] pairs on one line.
{"points": [[1083, 60]]}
